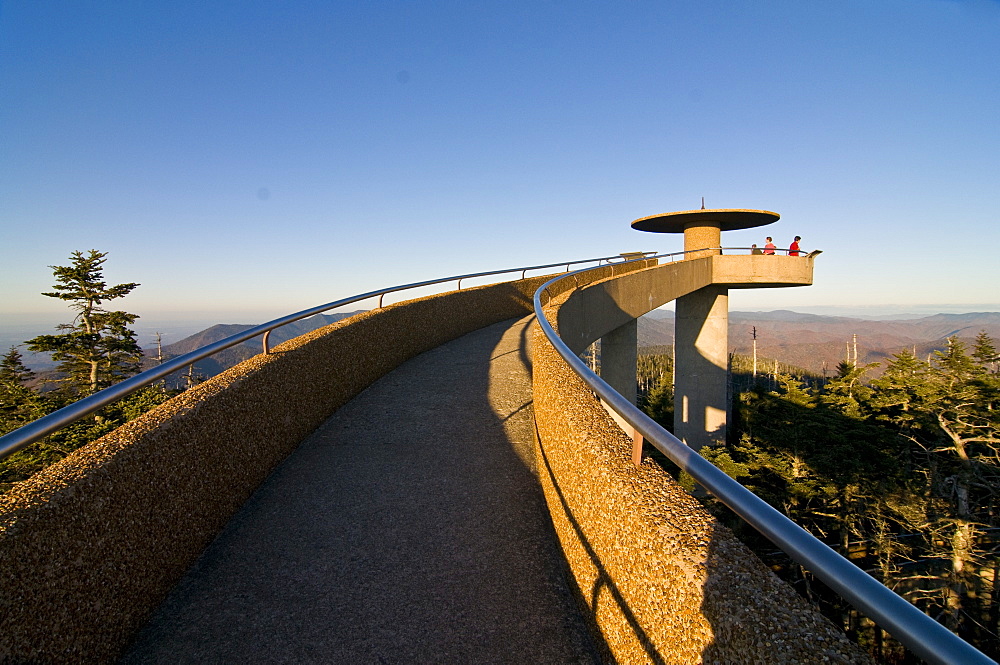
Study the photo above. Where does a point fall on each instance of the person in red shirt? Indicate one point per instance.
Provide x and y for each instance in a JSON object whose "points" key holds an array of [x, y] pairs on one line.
{"points": [[793, 249], [769, 247]]}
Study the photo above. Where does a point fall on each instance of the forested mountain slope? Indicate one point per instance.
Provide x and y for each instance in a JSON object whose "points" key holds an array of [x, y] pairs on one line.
{"points": [[817, 342]]}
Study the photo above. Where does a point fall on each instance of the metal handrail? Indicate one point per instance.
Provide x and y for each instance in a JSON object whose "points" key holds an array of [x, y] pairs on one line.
{"points": [[38, 429], [918, 632], [749, 250]]}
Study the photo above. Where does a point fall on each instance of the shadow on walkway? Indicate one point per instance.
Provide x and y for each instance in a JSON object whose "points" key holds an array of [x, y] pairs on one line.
{"points": [[407, 529]]}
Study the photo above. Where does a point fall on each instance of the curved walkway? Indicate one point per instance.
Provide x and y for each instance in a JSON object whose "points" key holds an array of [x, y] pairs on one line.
{"points": [[409, 528]]}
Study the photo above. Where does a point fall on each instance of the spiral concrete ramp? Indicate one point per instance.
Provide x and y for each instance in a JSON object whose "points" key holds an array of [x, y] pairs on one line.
{"points": [[409, 528]]}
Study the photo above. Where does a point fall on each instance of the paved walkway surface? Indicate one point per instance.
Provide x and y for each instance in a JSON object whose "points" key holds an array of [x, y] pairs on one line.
{"points": [[408, 529]]}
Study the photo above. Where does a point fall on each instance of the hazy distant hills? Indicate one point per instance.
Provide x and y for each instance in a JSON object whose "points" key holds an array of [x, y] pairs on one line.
{"points": [[45, 371], [234, 355], [813, 341]]}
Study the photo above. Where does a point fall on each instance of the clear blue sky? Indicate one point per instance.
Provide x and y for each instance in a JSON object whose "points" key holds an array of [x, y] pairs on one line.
{"points": [[252, 159]]}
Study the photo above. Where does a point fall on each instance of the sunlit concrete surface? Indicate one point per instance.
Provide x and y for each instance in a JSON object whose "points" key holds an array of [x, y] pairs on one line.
{"points": [[407, 529], [659, 579], [91, 545], [700, 288]]}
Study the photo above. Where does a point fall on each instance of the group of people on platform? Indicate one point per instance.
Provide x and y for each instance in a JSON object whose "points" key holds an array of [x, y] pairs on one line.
{"points": [[769, 248]]}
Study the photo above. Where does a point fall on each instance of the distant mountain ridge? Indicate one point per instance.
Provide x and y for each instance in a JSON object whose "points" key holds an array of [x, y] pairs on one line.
{"points": [[812, 341], [818, 342], [234, 355]]}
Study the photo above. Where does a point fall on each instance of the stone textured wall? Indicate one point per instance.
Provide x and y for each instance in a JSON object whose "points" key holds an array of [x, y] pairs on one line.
{"points": [[659, 579], [91, 545]]}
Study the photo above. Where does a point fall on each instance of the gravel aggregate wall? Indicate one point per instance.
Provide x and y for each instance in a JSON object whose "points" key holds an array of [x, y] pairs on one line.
{"points": [[658, 578], [91, 545]]}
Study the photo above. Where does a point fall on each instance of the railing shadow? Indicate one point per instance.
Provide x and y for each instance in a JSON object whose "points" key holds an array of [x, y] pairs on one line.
{"points": [[657, 551], [603, 581]]}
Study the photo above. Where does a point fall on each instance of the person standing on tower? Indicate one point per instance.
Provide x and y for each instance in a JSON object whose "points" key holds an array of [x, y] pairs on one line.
{"points": [[793, 249], [769, 247]]}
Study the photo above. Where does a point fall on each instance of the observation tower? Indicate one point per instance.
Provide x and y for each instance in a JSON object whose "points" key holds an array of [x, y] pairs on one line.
{"points": [[701, 329]]}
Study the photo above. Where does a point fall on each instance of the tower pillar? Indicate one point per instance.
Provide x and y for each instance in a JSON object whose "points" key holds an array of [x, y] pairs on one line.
{"points": [[701, 375], [619, 355], [701, 329]]}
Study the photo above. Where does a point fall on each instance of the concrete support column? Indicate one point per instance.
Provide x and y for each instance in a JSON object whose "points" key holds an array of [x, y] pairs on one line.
{"points": [[701, 352], [700, 235], [618, 359]]}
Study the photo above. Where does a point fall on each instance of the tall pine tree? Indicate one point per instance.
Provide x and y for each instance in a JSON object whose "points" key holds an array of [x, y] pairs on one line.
{"points": [[97, 349]]}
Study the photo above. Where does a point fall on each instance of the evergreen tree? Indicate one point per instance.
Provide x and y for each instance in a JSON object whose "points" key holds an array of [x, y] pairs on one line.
{"points": [[898, 395], [984, 352], [97, 349], [13, 373], [12, 368], [944, 412], [19, 404], [900, 473], [847, 393], [658, 404], [965, 469], [654, 376]]}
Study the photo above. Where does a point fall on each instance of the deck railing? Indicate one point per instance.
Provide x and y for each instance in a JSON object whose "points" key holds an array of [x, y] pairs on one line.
{"points": [[918, 632], [38, 429], [921, 634]]}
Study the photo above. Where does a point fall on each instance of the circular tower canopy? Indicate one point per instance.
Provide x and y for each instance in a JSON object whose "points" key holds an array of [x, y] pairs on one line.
{"points": [[725, 220]]}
